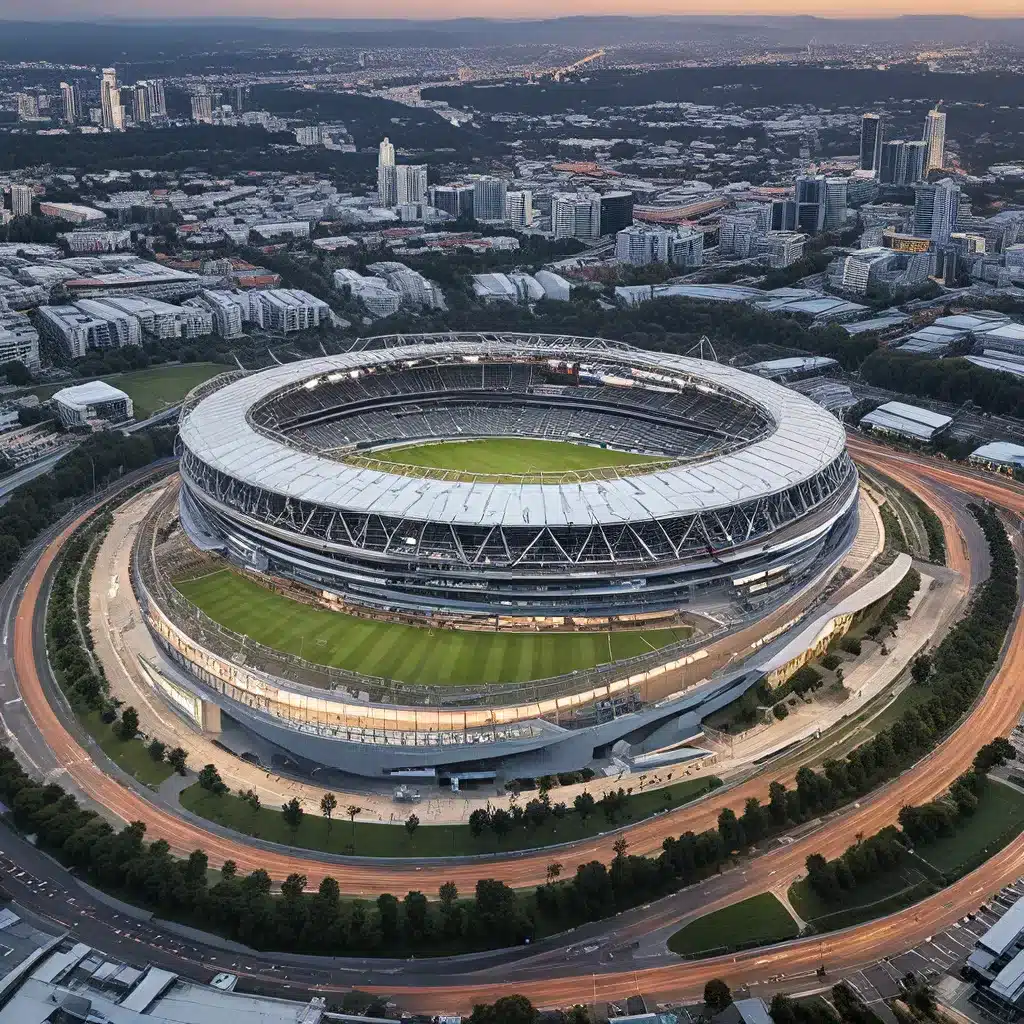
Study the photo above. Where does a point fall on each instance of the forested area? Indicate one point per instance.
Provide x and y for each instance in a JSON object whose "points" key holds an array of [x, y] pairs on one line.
{"points": [[97, 461], [952, 380]]}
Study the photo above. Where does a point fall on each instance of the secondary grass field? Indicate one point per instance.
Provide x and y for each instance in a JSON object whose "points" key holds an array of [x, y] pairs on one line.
{"points": [[154, 389], [998, 819], [754, 922], [369, 839], [511, 455], [411, 654], [130, 755]]}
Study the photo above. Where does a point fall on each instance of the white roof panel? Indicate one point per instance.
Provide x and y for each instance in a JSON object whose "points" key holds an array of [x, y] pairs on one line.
{"points": [[805, 440]]}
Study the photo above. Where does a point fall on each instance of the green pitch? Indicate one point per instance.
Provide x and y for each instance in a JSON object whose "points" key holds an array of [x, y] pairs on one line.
{"points": [[512, 455], [411, 654]]}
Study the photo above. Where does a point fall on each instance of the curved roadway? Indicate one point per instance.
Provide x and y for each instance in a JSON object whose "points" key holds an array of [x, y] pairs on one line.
{"points": [[558, 981]]}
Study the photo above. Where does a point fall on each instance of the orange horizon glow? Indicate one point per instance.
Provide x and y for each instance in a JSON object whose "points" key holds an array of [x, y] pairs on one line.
{"points": [[520, 10]]}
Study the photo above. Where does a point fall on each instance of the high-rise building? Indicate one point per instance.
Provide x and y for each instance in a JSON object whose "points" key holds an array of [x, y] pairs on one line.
{"points": [[157, 99], [28, 106], [935, 210], [783, 215], [519, 208], [410, 183], [835, 203], [917, 158], [903, 163], [387, 181], [110, 101], [241, 102], [21, 200], [810, 203], [456, 200], [489, 198], [72, 100], [141, 110], [616, 212], [870, 142], [935, 140], [576, 215], [202, 107]]}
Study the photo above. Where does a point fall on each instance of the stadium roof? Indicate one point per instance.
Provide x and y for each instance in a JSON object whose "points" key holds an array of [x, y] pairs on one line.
{"points": [[806, 439]]}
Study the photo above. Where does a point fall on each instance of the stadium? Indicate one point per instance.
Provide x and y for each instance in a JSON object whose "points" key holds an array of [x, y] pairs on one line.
{"points": [[503, 491]]}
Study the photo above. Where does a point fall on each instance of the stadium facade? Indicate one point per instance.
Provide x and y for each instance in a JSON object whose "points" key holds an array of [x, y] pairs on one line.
{"points": [[752, 498]]}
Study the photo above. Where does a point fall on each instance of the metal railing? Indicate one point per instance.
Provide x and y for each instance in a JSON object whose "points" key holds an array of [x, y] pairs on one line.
{"points": [[242, 649]]}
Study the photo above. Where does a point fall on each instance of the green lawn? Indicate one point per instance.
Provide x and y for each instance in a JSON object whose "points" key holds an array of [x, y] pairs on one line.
{"points": [[153, 389], [411, 654], [511, 455], [130, 755], [370, 839], [880, 896], [998, 820], [758, 921]]}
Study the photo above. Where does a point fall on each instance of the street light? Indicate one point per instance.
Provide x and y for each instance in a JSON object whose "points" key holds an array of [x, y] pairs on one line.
{"points": [[93, 464]]}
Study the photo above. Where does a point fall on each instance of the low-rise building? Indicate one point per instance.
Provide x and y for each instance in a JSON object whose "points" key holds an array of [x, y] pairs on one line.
{"points": [[288, 310], [999, 455], [373, 292], [75, 331], [93, 404], [556, 288], [98, 241], [781, 248], [412, 286], [73, 213], [19, 340], [908, 421]]}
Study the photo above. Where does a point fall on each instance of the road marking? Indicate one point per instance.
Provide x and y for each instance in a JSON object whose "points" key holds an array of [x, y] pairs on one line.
{"points": [[13, 700]]}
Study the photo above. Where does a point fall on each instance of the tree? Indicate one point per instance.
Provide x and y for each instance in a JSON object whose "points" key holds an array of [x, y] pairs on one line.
{"points": [[328, 802], [921, 668], [128, 727], [156, 750], [730, 829], [352, 810], [176, 759], [620, 846], [994, 755], [584, 805], [292, 812], [447, 895], [501, 822], [479, 822], [554, 869], [209, 779], [717, 995], [411, 824], [506, 1010], [16, 372], [387, 907]]}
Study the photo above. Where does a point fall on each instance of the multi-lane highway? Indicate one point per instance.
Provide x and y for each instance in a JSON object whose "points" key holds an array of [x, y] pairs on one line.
{"points": [[551, 976]]}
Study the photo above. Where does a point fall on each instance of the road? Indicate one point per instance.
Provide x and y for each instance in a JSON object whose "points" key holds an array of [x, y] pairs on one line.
{"points": [[551, 974]]}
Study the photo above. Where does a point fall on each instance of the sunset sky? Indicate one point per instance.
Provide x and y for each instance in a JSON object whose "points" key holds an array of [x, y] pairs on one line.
{"points": [[79, 10]]}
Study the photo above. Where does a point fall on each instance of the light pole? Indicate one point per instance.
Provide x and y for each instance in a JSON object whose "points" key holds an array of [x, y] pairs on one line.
{"points": [[93, 464]]}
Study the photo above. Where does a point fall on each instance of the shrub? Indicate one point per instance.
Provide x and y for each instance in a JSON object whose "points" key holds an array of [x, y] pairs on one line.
{"points": [[831, 661], [780, 711]]}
